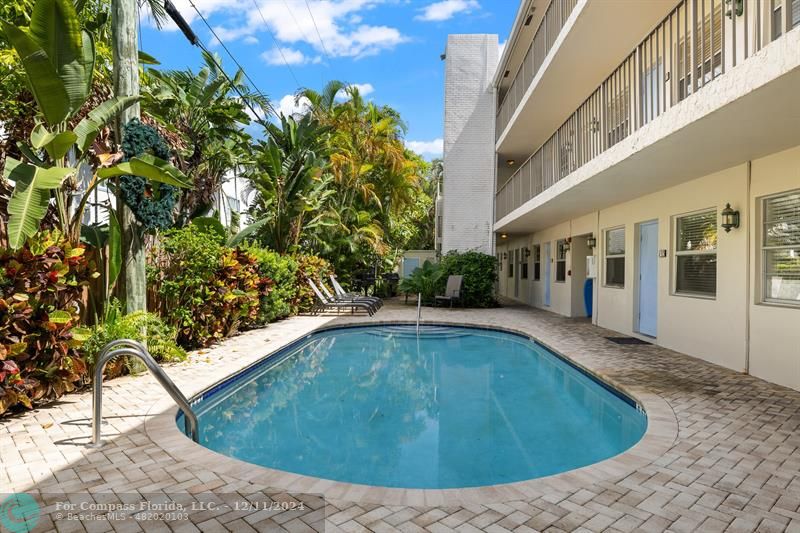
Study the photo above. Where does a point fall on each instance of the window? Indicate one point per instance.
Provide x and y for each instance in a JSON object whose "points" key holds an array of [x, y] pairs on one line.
{"points": [[523, 259], [537, 262], [510, 264], [781, 248], [615, 257], [696, 254], [561, 260]]}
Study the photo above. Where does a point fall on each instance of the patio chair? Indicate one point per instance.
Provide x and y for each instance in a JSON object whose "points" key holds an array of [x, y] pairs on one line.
{"points": [[452, 292], [342, 294], [325, 304], [344, 299]]}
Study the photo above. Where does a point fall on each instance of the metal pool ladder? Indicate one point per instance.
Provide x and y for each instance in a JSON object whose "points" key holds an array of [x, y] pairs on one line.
{"points": [[419, 309], [136, 349]]}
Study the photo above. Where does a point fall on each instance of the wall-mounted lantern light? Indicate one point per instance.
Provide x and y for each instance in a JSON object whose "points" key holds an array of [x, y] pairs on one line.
{"points": [[505, 255], [591, 242], [527, 252], [730, 218], [566, 246]]}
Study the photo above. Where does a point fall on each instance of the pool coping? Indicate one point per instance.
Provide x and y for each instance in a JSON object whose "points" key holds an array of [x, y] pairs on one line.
{"points": [[660, 435]]}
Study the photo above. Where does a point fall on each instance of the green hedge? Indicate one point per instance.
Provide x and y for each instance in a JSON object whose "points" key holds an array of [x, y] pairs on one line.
{"points": [[282, 270], [480, 274]]}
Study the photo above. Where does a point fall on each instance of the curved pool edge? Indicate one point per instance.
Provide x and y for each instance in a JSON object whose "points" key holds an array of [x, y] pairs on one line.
{"points": [[661, 433]]}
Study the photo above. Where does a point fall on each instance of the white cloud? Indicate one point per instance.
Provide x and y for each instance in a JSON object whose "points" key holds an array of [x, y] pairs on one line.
{"points": [[434, 147], [339, 23], [290, 106], [250, 40], [446, 9], [363, 89], [277, 56]]}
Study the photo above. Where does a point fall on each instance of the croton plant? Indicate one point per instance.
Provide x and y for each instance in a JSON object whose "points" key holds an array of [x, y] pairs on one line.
{"points": [[41, 288]]}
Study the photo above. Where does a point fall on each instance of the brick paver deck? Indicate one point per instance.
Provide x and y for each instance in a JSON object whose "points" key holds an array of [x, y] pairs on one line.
{"points": [[732, 465]]}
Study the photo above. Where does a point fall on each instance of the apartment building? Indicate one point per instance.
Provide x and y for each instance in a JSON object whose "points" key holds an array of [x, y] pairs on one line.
{"points": [[653, 149]]}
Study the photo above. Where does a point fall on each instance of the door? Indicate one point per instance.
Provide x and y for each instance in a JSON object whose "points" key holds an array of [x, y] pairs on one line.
{"points": [[648, 278], [546, 247], [410, 264], [517, 267]]}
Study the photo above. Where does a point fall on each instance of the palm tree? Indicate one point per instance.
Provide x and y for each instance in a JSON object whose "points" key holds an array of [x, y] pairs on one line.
{"points": [[292, 193], [207, 118]]}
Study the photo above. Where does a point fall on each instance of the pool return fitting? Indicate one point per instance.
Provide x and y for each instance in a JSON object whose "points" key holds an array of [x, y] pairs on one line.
{"points": [[136, 349]]}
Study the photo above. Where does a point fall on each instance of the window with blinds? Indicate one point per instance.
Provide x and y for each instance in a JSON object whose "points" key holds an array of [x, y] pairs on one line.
{"points": [[781, 248], [537, 262], [707, 41], [696, 254], [561, 260], [615, 257]]}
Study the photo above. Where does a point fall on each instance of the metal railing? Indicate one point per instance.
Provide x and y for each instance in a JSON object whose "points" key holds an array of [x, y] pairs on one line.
{"points": [[554, 19], [419, 309], [696, 43], [136, 349]]}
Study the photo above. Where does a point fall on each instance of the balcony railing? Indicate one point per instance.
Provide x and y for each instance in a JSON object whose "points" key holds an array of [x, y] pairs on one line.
{"points": [[690, 48], [554, 19]]}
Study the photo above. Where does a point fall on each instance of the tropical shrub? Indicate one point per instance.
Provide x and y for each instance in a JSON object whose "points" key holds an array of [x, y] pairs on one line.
{"points": [[40, 293], [425, 280], [147, 328], [480, 274], [282, 270], [309, 266], [202, 288]]}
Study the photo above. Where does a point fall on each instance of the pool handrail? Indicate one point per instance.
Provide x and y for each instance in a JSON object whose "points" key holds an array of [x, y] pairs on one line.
{"points": [[136, 349], [419, 309]]}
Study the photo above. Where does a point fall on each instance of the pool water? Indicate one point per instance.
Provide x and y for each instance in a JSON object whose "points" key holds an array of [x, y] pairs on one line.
{"points": [[450, 407]]}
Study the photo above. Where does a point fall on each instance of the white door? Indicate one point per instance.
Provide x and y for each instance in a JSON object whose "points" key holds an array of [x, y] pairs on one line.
{"points": [[648, 278], [546, 273]]}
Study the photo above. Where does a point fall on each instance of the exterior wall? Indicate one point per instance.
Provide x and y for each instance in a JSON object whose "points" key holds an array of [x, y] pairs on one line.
{"points": [[774, 331], [733, 329], [469, 159]]}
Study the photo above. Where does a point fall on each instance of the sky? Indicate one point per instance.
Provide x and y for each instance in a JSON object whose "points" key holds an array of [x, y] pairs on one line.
{"points": [[390, 49]]}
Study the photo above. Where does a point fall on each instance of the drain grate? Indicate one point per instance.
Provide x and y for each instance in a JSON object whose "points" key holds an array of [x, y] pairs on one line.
{"points": [[627, 340]]}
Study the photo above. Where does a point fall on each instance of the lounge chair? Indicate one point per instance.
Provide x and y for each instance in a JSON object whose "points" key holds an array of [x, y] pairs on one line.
{"points": [[345, 299], [342, 294], [452, 291], [325, 304]]}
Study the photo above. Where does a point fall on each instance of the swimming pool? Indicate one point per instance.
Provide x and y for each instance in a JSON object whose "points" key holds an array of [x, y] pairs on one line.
{"points": [[451, 407]]}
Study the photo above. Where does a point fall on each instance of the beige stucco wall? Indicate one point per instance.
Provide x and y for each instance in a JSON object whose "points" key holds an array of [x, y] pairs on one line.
{"points": [[774, 331], [715, 329]]}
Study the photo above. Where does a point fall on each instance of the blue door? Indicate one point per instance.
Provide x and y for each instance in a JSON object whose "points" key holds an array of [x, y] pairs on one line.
{"points": [[648, 278], [410, 264], [547, 274]]}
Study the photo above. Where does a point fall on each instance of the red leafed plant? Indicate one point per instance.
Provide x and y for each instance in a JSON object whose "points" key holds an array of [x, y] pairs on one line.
{"points": [[40, 289]]}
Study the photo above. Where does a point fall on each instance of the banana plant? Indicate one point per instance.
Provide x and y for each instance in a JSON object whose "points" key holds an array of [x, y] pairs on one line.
{"points": [[58, 58]]}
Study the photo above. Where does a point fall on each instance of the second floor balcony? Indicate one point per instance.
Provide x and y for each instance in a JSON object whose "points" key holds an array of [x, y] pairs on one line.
{"points": [[697, 43]]}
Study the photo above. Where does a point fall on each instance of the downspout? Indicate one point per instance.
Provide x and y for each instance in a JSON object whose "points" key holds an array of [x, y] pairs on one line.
{"points": [[749, 271], [596, 284]]}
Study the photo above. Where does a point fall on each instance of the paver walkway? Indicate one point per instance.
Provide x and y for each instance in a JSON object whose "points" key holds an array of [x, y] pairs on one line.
{"points": [[734, 466]]}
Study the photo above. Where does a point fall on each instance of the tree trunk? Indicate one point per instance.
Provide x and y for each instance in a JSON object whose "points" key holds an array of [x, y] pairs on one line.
{"points": [[124, 21]]}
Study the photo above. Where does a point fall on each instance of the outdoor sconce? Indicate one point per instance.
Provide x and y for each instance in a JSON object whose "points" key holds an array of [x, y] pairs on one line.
{"points": [[566, 246], [511, 162], [730, 218], [527, 252], [505, 255], [591, 242]]}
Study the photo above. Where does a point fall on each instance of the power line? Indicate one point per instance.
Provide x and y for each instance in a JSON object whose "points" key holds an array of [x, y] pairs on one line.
{"points": [[227, 50], [325, 50], [278, 46]]}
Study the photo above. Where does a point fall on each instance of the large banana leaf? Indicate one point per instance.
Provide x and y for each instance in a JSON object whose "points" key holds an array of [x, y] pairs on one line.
{"points": [[56, 144], [88, 128], [247, 232], [57, 30], [46, 86], [28, 203], [148, 167]]}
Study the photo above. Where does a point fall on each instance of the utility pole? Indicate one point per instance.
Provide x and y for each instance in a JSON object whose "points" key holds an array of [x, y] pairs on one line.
{"points": [[124, 36]]}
